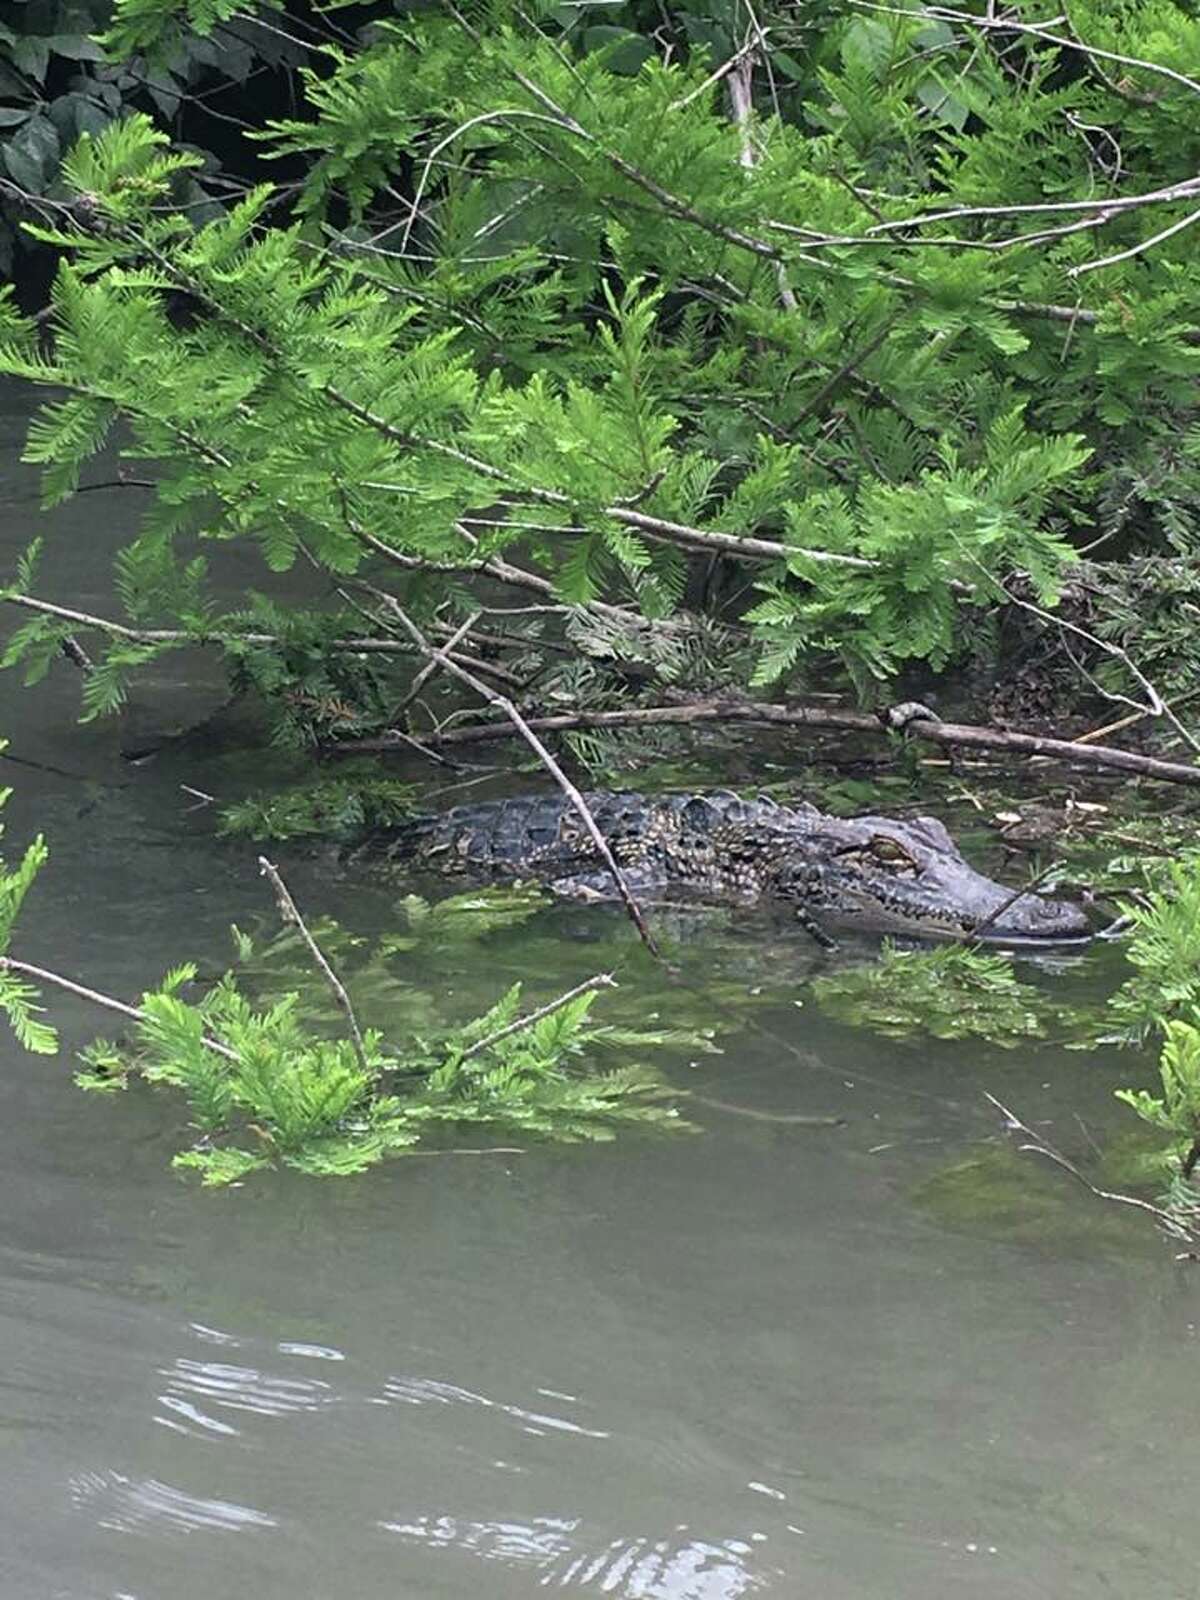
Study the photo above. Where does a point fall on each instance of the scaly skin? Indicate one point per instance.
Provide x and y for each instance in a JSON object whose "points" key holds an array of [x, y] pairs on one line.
{"points": [[878, 873]]}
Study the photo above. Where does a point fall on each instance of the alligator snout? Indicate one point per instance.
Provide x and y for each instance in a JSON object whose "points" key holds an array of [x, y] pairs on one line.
{"points": [[1031, 919]]}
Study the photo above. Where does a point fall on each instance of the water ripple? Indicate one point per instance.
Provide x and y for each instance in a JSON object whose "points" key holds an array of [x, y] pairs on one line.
{"points": [[659, 1569], [141, 1505], [194, 1388], [317, 1352], [214, 1335], [630, 1568], [418, 1391], [516, 1543]]}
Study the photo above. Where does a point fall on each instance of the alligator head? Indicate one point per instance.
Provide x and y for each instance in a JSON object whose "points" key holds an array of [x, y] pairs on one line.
{"points": [[909, 877]]}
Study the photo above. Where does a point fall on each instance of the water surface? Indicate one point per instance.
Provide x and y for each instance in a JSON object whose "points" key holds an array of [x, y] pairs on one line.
{"points": [[884, 1361]]}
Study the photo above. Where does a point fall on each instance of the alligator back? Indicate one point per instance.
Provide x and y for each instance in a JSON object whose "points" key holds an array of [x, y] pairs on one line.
{"points": [[545, 833]]}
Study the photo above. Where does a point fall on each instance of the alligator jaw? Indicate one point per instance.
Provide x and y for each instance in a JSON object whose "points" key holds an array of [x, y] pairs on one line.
{"points": [[1034, 941], [1075, 937]]}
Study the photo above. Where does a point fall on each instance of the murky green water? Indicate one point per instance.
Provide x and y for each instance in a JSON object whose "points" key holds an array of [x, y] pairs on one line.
{"points": [[876, 1362]]}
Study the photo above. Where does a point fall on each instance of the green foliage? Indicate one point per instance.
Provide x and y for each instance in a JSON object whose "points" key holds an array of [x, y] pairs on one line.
{"points": [[954, 527], [59, 82], [268, 1081], [521, 1080], [461, 918], [1164, 951], [21, 1003], [20, 1000], [1177, 1110], [260, 1069], [339, 808], [316, 690], [533, 263], [954, 992], [310, 1102], [1164, 997]]}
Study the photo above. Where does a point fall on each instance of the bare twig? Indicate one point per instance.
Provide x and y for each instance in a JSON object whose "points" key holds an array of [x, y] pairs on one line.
{"points": [[119, 630], [602, 980], [1136, 249], [201, 797], [504, 115], [76, 654], [1112, 203], [835, 378], [741, 102], [181, 636], [11, 964], [715, 77], [430, 668], [1038, 1145], [578, 803], [1156, 706], [993, 917], [86, 619], [290, 915], [1139, 715], [1010, 25]]}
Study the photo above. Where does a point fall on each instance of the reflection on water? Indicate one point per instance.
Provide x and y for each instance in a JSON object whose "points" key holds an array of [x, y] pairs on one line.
{"points": [[127, 1505], [420, 1391], [557, 1550], [230, 1388], [757, 1361]]}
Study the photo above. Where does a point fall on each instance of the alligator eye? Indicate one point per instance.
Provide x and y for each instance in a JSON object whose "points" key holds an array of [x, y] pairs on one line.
{"points": [[891, 853]]}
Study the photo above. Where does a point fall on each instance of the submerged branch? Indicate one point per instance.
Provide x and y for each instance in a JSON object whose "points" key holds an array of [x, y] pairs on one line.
{"points": [[1036, 1144]]}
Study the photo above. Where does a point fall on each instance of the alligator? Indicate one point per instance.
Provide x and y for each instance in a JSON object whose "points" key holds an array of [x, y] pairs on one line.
{"points": [[880, 874]]}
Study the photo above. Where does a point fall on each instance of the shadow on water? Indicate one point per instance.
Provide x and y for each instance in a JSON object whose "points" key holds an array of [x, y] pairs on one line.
{"points": [[884, 1359]]}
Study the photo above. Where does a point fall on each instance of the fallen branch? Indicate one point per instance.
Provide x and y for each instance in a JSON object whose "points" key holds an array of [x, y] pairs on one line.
{"points": [[817, 717], [290, 915], [602, 980], [1031, 744]]}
